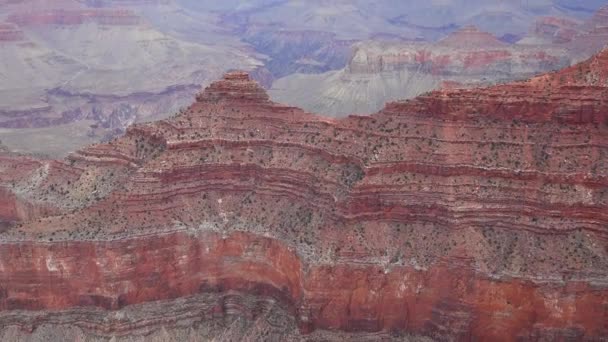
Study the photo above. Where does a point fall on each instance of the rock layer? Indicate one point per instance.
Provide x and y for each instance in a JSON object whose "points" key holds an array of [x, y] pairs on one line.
{"points": [[575, 95], [465, 214]]}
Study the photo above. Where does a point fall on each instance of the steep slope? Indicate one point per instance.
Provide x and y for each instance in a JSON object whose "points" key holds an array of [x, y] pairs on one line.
{"points": [[464, 214]]}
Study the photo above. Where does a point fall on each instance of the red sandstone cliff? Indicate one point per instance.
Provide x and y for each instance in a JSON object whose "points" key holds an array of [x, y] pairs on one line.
{"points": [[578, 94], [475, 214]]}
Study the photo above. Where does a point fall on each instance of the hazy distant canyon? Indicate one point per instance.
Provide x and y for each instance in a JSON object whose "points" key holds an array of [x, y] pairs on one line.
{"points": [[75, 72]]}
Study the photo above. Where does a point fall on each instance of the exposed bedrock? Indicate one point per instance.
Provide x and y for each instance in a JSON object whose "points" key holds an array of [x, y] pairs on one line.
{"points": [[447, 299], [575, 95], [448, 216]]}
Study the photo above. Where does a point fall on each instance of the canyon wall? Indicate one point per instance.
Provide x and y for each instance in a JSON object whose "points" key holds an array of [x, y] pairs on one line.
{"points": [[475, 214]]}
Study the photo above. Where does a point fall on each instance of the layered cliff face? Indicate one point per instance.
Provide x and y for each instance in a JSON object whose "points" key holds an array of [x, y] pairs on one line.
{"points": [[465, 214], [574, 95], [386, 71]]}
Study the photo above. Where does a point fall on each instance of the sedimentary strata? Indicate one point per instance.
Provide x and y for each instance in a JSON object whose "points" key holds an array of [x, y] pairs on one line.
{"points": [[464, 214]]}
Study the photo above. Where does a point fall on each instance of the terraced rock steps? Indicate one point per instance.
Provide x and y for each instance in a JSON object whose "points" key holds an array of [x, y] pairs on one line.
{"points": [[462, 214]]}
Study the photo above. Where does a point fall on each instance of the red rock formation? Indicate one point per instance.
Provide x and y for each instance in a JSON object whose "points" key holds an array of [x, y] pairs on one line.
{"points": [[236, 87], [464, 214], [577, 94]]}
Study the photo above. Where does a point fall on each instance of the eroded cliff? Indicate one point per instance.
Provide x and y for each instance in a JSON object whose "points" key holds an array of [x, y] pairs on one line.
{"points": [[463, 214]]}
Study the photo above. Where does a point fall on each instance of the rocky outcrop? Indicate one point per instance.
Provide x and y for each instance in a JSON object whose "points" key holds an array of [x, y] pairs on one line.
{"points": [[444, 216], [236, 86], [574, 95]]}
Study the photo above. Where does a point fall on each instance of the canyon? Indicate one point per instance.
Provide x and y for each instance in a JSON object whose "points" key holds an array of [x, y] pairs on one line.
{"points": [[71, 67], [462, 214], [387, 71], [79, 72], [380, 71]]}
